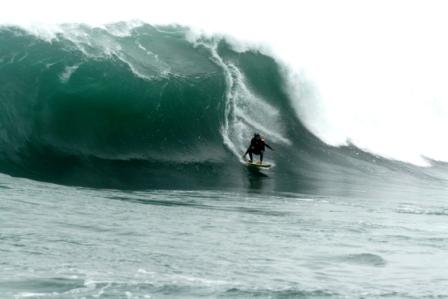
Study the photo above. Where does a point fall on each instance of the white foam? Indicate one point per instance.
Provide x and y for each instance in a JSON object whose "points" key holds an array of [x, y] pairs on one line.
{"points": [[245, 112], [68, 72]]}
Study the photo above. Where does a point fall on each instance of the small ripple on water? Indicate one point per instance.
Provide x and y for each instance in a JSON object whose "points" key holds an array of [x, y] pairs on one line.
{"points": [[194, 204], [284, 294], [42, 285], [367, 259], [436, 211]]}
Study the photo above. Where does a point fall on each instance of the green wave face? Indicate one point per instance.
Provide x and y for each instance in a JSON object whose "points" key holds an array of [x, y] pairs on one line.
{"points": [[147, 93], [145, 101], [149, 107]]}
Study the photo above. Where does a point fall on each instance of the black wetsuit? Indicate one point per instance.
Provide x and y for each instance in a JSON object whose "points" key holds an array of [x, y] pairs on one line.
{"points": [[257, 147]]}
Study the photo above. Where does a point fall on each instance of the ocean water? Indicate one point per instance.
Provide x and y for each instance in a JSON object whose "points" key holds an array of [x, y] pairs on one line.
{"points": [[73, 242], [121, 177]]}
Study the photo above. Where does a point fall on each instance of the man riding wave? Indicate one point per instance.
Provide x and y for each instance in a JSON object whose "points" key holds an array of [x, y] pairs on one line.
{"points": [[257, 147]]}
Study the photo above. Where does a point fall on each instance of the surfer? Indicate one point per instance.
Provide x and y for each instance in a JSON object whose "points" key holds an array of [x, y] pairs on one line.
{"points": [[257, 147]]}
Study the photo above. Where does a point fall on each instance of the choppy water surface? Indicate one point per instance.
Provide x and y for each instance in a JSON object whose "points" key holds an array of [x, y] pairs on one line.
{"points": [[68, 242]]}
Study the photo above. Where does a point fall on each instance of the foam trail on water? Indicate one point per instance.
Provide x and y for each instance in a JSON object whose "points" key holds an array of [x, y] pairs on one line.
{"points": [[245, 112]]}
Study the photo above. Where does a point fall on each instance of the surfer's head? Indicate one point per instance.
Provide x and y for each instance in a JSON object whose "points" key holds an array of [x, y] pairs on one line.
{"points": [[256, 135]]}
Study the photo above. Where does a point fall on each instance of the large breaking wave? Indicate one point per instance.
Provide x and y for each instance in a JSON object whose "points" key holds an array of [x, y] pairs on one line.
{"points": [[157, 107]]}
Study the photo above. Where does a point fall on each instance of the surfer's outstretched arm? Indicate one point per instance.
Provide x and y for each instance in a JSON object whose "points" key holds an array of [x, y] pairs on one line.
{"points": [[268, 146]]}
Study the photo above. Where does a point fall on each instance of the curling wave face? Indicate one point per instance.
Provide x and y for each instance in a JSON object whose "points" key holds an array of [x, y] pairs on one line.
{"points": [[150, 107]]}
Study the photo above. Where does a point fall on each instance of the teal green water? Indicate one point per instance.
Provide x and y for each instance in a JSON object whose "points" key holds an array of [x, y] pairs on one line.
{"points": [[70, 242], [121, 177], [153, 109]]}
